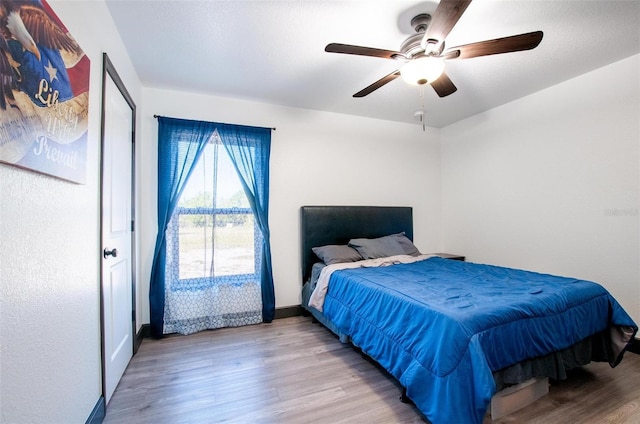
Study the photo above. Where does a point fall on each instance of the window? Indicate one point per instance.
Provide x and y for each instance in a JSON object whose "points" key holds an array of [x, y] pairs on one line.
{"points": [[212, 235]]}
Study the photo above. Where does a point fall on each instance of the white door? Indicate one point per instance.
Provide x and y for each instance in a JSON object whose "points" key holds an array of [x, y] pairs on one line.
{"points": [[117, 290]]}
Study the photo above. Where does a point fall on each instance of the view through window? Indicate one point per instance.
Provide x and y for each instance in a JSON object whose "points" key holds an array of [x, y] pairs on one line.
{"points": [[212, 235]]}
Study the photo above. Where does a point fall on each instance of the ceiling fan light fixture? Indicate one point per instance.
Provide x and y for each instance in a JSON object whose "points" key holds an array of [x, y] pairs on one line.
{"points": [[422, 70]]}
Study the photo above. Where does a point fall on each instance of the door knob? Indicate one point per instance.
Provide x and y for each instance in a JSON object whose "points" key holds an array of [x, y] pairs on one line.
{"points": [[106, 252]]}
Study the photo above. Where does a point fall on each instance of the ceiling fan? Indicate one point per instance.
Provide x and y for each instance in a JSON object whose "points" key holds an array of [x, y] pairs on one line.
{"points": [[424, 52]]}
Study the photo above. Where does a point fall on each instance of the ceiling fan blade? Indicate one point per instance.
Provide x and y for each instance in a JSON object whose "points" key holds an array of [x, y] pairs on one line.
{"points": [[443, 86], [444, 19], [515, 43], [450, 54], [382, 81], [363, 51]]}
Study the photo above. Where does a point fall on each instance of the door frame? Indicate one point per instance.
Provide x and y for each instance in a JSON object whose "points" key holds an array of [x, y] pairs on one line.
{"points": [[109, 71]]}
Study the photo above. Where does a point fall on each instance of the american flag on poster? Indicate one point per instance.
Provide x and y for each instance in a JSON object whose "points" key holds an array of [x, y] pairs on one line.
{"points": [[44, 92]]}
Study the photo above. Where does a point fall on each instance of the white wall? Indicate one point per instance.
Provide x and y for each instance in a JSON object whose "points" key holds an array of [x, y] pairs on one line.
{"points": [[317, 158], [49, 261], [551, 182]]}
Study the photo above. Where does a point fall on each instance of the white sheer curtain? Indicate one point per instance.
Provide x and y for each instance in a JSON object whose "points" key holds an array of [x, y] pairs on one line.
{"points": [[213, 251]]}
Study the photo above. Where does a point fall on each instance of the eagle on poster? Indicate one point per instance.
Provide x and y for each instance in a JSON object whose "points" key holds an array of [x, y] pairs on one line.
{"points": [[35, 48]]}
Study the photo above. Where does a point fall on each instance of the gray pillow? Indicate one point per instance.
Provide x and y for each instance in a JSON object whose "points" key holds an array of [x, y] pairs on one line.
{"points": [[335, 254], [407, 245], [381, 247]]}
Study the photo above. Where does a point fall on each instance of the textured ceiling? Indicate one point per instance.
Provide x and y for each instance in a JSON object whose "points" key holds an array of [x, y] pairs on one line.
{"points": [[273, 51]]}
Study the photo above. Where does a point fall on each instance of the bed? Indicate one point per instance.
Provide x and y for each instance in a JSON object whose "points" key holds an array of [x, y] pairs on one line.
{"points": [[452, 333]]}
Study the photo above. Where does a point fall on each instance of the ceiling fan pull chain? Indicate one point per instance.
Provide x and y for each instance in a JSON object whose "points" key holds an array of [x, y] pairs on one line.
{"points": [[423, 111]]}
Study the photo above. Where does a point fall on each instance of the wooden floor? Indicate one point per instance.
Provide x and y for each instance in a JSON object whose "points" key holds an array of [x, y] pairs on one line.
{"points": [[294, 371]]}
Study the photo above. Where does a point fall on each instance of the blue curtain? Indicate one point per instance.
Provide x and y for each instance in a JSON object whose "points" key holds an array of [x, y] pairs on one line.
{"points": [[180, 145], [249, 149]]}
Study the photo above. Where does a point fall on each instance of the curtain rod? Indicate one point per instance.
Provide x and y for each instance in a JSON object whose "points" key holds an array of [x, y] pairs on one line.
{"points": [[160, 116]]}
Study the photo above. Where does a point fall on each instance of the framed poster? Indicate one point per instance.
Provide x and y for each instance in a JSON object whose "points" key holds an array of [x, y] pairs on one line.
{"points": [[44, 93]]}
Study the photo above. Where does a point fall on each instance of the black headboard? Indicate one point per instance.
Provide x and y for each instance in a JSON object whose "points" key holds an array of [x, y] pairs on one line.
{"points": [[322, 225]]}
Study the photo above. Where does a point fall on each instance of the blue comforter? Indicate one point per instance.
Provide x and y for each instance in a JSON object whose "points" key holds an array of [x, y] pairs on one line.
{"points": [[441, 327]]}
